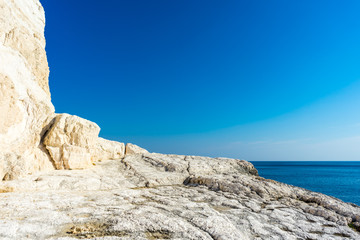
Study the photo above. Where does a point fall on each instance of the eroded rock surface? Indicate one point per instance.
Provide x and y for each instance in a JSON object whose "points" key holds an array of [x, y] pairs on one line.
{"points": [[158, 196], [71, 142], [132, 149], [25, 105], [137, 195], [107, 149]]}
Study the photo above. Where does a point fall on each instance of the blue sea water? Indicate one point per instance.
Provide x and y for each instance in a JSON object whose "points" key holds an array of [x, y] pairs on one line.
{"points": [[337, 179]]}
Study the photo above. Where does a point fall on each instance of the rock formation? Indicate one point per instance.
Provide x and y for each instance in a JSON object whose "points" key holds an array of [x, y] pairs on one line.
{"points": [[106, 149], [67, 183], [25, 104], [32, 137], [131, 149], [70, 141], [158, 196]]}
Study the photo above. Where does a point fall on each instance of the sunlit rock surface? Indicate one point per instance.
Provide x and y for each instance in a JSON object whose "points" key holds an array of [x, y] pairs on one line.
{"points": [[125, 192], [157, 196], [70, 141], [106, 149], [132, 149], [25, 105]]}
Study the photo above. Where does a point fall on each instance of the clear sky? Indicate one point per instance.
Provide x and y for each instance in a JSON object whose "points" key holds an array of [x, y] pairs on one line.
{"points": [[256, 80]]}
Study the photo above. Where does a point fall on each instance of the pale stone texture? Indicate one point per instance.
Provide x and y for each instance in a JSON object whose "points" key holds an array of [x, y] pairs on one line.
{"points": [[107, 149], [139, 196], [71, 141], [75, 157], [143, 197], [25, 106], [131, 149]]}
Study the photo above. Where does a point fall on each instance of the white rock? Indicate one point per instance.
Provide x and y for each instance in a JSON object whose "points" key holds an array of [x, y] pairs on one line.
{"points": [[113, 201], [131, 149], [158, 169], [25, 106], [202, 166], [75, 157], [141, 196], [107, 149], [72, 130], [71, 142]]}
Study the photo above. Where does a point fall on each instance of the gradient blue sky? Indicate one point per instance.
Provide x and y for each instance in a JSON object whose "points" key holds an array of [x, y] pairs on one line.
{"points": [[257, 80]]}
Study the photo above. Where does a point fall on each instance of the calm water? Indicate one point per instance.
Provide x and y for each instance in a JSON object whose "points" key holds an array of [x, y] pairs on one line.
{"points": [[337, 179]]}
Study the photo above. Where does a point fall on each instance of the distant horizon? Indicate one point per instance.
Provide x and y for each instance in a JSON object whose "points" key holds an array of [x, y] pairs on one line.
{"points": [[259, 81], [340, 161]]}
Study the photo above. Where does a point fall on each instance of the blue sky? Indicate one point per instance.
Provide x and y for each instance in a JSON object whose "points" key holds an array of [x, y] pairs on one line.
{"points": [[257, 80]]}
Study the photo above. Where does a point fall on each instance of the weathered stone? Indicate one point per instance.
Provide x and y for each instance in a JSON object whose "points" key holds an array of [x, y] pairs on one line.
{"points": [[75, 157], [202, 166], [25, 104], [107, 149], [72, 130], [143, 197], [131, 149], [71, 142], [23, 31], [157, 169]]}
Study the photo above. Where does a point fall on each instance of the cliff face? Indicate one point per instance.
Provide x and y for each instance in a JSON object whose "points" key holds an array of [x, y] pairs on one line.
{"points": [[32, 137], [25, 103]]}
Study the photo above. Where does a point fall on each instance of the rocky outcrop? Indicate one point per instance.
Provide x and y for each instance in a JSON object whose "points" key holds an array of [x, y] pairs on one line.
{"points": [[132, 149], [158, 196], [27, 113], [137, 195], [25, 104], [71, 141], [154, 169], [32, 137], [107, 149]]}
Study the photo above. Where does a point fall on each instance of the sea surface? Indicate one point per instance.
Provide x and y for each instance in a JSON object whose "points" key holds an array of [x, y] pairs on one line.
{"points": [[337, 179]]}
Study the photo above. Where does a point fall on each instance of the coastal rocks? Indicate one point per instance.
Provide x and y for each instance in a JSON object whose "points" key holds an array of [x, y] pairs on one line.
{"points": [[139, 195], [73, 143], [70, 142], [157, 169], [25, 103], [131, 149], [107, 149], [143, 197], [205, 166]]}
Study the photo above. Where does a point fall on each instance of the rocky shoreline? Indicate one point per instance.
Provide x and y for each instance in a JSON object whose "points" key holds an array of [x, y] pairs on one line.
{"points": [[157, 196], [60, 180]]}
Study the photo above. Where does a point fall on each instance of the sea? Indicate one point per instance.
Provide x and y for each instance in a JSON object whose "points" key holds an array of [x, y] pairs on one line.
{"points": [[337, 179]]}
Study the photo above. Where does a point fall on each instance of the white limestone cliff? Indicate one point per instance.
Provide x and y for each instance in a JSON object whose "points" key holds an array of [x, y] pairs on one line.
{"points": [[32, 137], [25, 103]]}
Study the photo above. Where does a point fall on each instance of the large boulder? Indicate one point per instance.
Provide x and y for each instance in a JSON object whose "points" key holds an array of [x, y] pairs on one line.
{"points": [[25, 105], [71, 142]]}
